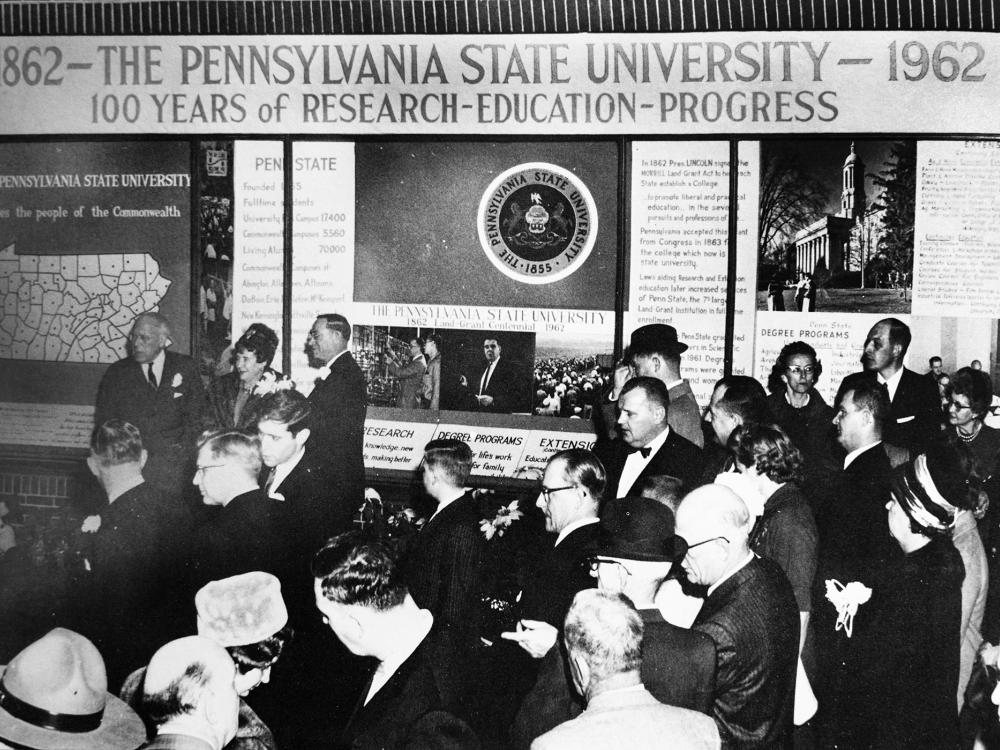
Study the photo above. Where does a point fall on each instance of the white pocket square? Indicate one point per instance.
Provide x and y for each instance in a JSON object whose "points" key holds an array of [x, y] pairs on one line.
{"points": [[178, 395], [906, 419]]}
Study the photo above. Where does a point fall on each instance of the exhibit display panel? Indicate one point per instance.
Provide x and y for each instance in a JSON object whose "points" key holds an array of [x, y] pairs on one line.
{"points": [[540, 195]]}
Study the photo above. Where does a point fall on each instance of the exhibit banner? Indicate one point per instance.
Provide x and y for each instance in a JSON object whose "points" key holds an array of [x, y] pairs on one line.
{"points": [[614, 84], [398, 446]]}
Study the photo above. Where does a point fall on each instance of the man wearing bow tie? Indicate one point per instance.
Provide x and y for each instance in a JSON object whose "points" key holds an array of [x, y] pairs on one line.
{"points": [[338, 406], [161, 393], [646, 446]]}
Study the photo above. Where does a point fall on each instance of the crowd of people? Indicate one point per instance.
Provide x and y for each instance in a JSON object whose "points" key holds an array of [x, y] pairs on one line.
{"points": [[773, 572]]}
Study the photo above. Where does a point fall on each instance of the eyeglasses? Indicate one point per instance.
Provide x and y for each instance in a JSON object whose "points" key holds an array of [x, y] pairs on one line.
{"points": [[807, 370], [681, 546], [546, 492], [958, 407], [201, 469], [595, 563]]}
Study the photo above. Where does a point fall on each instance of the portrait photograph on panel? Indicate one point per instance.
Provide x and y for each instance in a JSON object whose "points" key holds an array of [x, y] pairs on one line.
{"points": [[453, 369], [836, 225]]}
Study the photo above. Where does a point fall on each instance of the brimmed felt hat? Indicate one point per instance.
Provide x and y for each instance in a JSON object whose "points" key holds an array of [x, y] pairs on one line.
{"points": [[241, 610], [656, 337], [915, 489], [638, 528], [54, 696]]}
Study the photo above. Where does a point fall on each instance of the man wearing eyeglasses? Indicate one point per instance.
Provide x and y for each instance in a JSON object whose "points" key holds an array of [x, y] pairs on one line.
{"points": [[635, 551], [572, 489], [750, 614], [243, 534], [915, 410]]}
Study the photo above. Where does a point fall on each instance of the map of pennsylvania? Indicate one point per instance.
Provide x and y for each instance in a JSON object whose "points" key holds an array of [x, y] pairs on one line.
{"points": [[74, 308]]}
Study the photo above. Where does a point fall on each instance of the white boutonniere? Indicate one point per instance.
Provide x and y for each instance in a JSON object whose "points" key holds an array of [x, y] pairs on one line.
{"points": [[506, 515], [178, 381], [91, 524], [323, 373], [270, 383], [846, 599]]}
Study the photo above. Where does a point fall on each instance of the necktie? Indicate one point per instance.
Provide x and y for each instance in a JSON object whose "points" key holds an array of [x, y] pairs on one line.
{"points": [[885, 390], [150, 375], [644, 452], [486, 378], [270, 480]]}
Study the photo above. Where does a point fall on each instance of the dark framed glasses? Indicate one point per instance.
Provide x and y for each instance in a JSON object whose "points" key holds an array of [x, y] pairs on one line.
{"points": [[546, 492]]}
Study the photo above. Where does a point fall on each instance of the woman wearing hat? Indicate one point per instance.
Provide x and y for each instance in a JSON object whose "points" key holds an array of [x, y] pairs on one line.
{"points": [[891, 680], [247, 616], [234, 396]]}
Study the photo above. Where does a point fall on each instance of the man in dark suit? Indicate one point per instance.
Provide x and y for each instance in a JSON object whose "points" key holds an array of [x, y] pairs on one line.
{"points": [[750, 614], [245, 532], [501, 387], [854, 532], [296, 476], [572, 489], [161, 393], [633, 557], [646, 446], [443, 567], [736, 400], [339, 405], [915, 413], [310, 497], [418, 666], [132, 551]]}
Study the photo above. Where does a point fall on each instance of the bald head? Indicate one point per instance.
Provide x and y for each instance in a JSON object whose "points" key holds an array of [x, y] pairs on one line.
{"points": [[190, 681], [716, 524]]}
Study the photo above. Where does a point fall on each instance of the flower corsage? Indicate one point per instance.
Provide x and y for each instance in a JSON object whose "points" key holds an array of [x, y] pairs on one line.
{"points": [[270, 383], [846, 599], [506, 515]]}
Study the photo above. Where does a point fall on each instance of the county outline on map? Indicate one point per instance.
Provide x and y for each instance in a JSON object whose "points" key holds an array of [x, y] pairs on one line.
{"points": [[74, 308]]}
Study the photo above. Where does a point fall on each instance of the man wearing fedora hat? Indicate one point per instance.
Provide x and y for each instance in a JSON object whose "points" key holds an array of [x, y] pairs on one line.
{"points": [[635, 551], [655, 352], [53, 696]]}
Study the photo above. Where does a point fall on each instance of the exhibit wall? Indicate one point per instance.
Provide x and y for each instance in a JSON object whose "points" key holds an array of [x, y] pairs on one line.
{"points": [[547, 176]]}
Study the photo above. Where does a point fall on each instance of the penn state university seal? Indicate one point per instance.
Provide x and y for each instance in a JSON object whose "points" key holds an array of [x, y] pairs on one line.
{"points": [[537, 223]]}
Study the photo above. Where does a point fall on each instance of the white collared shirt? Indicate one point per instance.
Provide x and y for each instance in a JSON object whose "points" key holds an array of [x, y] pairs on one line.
{"points": [[335, 358], [442, 504], [730, 574], [571, 527], [849, 458], [407, 643], [892, 383], [281, 472], [635, 463]]}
